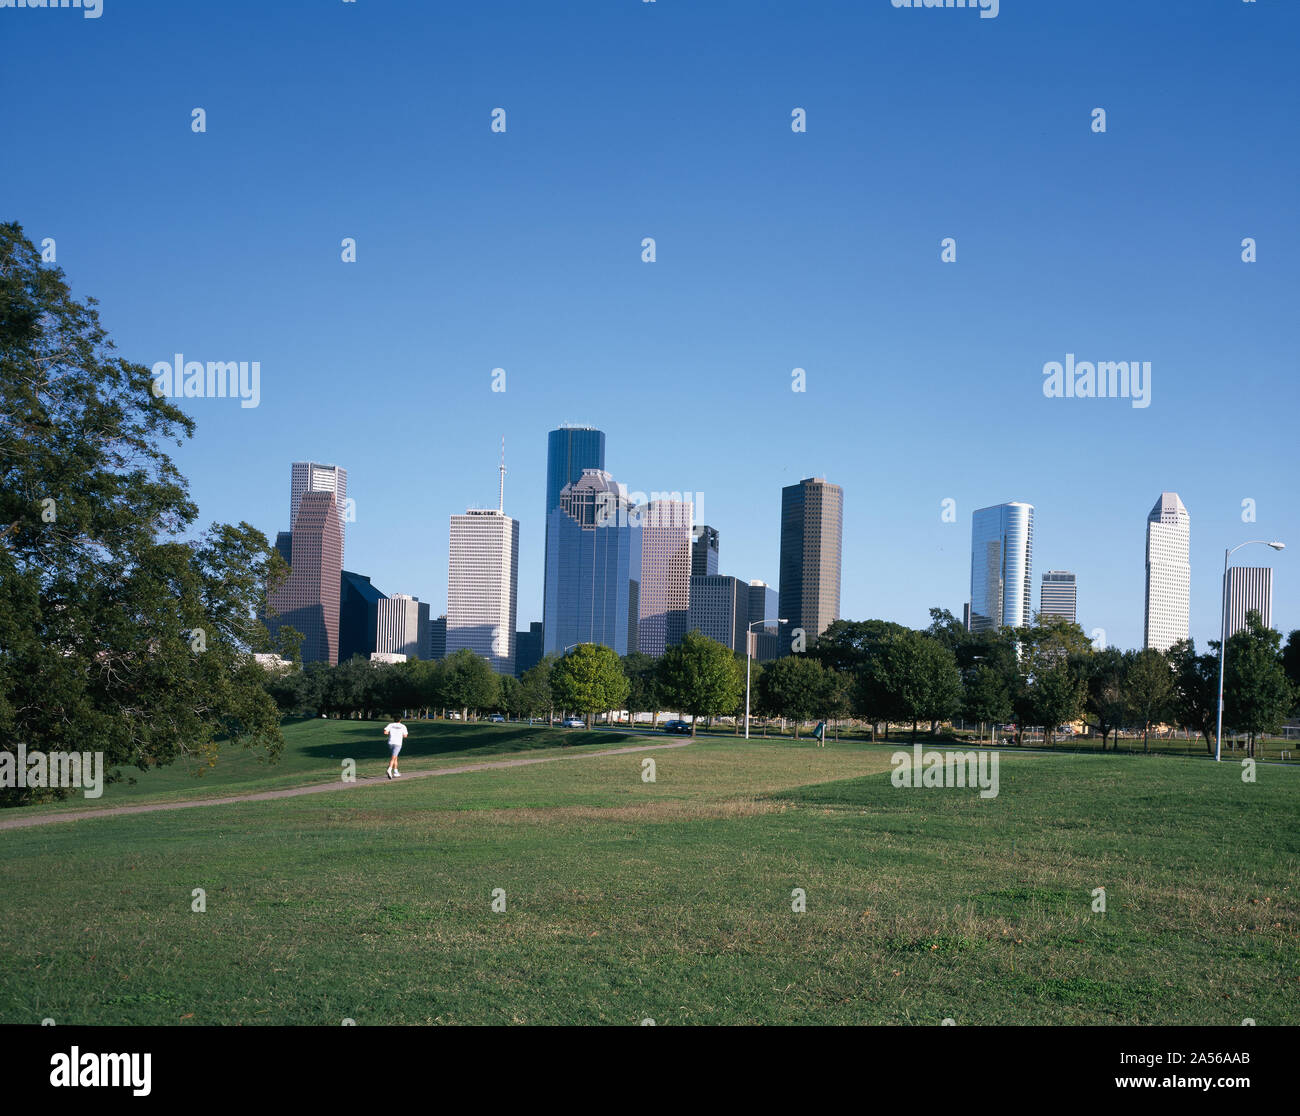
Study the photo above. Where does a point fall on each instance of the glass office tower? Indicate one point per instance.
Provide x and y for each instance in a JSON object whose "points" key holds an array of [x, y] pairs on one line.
{"points": [[704, 552], [570, 451], [1001, 563], [593, 566]]}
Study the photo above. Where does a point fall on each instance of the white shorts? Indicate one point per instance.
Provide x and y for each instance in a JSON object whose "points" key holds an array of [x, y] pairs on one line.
{"points": [[393, 749]]}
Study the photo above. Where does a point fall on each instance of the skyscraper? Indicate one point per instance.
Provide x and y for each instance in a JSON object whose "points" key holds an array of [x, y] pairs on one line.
{"points": [[720, 609], [482, 586], [309, 599], [665, 581], [358, 616], [570, 451], [528, 648], [436, 646], [593, 563], [1058, 596], [1001, 566], [397, 627], [308, 476], [1169, 573], [1250, 589], [704, 552], [424, 631], [812, 523], [763, 606]]}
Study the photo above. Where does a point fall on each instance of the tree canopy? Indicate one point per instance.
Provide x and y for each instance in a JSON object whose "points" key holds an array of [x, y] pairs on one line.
{"points": [[118, 633]]}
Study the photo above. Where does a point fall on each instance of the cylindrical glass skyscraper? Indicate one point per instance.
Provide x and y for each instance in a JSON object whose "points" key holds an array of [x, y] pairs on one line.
{"points": [[1001, 566]]}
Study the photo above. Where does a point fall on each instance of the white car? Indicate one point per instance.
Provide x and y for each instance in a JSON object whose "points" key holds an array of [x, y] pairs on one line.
{"points": [[574, 722]]}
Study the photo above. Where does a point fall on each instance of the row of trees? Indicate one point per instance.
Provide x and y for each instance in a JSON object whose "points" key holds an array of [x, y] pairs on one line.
{"points": [[882, 673], [699, 676], [1049, 674]]}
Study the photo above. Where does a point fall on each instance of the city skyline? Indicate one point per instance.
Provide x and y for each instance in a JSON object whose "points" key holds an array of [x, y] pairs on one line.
{"points": [[775, 251], [1168, 507]]}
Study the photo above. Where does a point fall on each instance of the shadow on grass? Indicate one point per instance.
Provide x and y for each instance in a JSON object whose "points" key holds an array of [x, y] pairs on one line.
{"points": [[430, 739]]}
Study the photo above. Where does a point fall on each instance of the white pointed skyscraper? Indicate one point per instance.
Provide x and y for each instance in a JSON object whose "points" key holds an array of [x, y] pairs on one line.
{"points": [[1169, 573], [482, 583]]}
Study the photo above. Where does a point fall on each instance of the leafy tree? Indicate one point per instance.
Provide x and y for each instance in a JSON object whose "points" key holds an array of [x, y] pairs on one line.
{"points": [[1049, 680], [350, 687], [792, 686], [116, 636], [643, 685], [835, 698], [1055, 636], [535, 696], [1257, 695], [589, 680], [755, 673], [512, 696], [426, 684], [1196, 689], [469, 682], [920, 679], [699, 676], [986, 697], [1058, 694], [947, 631], [384, 690], [850, 645], [310, 692], [1291, 663], [1106, 700], [1149, 688]]}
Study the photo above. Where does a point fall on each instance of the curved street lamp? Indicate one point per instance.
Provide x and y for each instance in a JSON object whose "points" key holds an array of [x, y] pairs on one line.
{"points": [[1223, 634], [748, 631]]}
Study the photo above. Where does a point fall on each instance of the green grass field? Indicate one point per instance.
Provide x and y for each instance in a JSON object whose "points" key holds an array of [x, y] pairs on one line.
{"points": [[671, 900], [314, 752]]}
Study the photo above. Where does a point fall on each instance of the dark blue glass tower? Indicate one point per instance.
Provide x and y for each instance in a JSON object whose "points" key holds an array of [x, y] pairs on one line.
{"points": [[569, 450]]}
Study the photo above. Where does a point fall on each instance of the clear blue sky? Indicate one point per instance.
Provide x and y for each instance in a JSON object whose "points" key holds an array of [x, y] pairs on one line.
{"points": [[775, 250]]}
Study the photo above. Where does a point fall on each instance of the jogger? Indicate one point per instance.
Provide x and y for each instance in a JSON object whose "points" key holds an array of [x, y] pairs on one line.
{"points": [[396, 732]]}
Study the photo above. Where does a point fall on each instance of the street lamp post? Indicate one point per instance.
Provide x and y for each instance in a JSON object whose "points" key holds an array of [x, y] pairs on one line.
{"points": [[748, 656], [1223, 635]]}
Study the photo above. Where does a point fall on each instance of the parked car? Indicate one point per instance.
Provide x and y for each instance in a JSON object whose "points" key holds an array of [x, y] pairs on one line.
{"points": [[575, 722], [681, 728], [497, 719]]}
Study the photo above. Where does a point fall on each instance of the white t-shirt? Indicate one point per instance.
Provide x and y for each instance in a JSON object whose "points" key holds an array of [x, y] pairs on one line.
{"points": [[396, 733]]}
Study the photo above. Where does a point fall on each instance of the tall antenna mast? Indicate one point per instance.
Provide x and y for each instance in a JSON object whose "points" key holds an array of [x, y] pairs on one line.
{"points": [[501, 502]]}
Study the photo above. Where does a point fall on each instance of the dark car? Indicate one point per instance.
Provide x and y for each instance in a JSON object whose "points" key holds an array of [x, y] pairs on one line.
{"points": [[682, 728]]}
